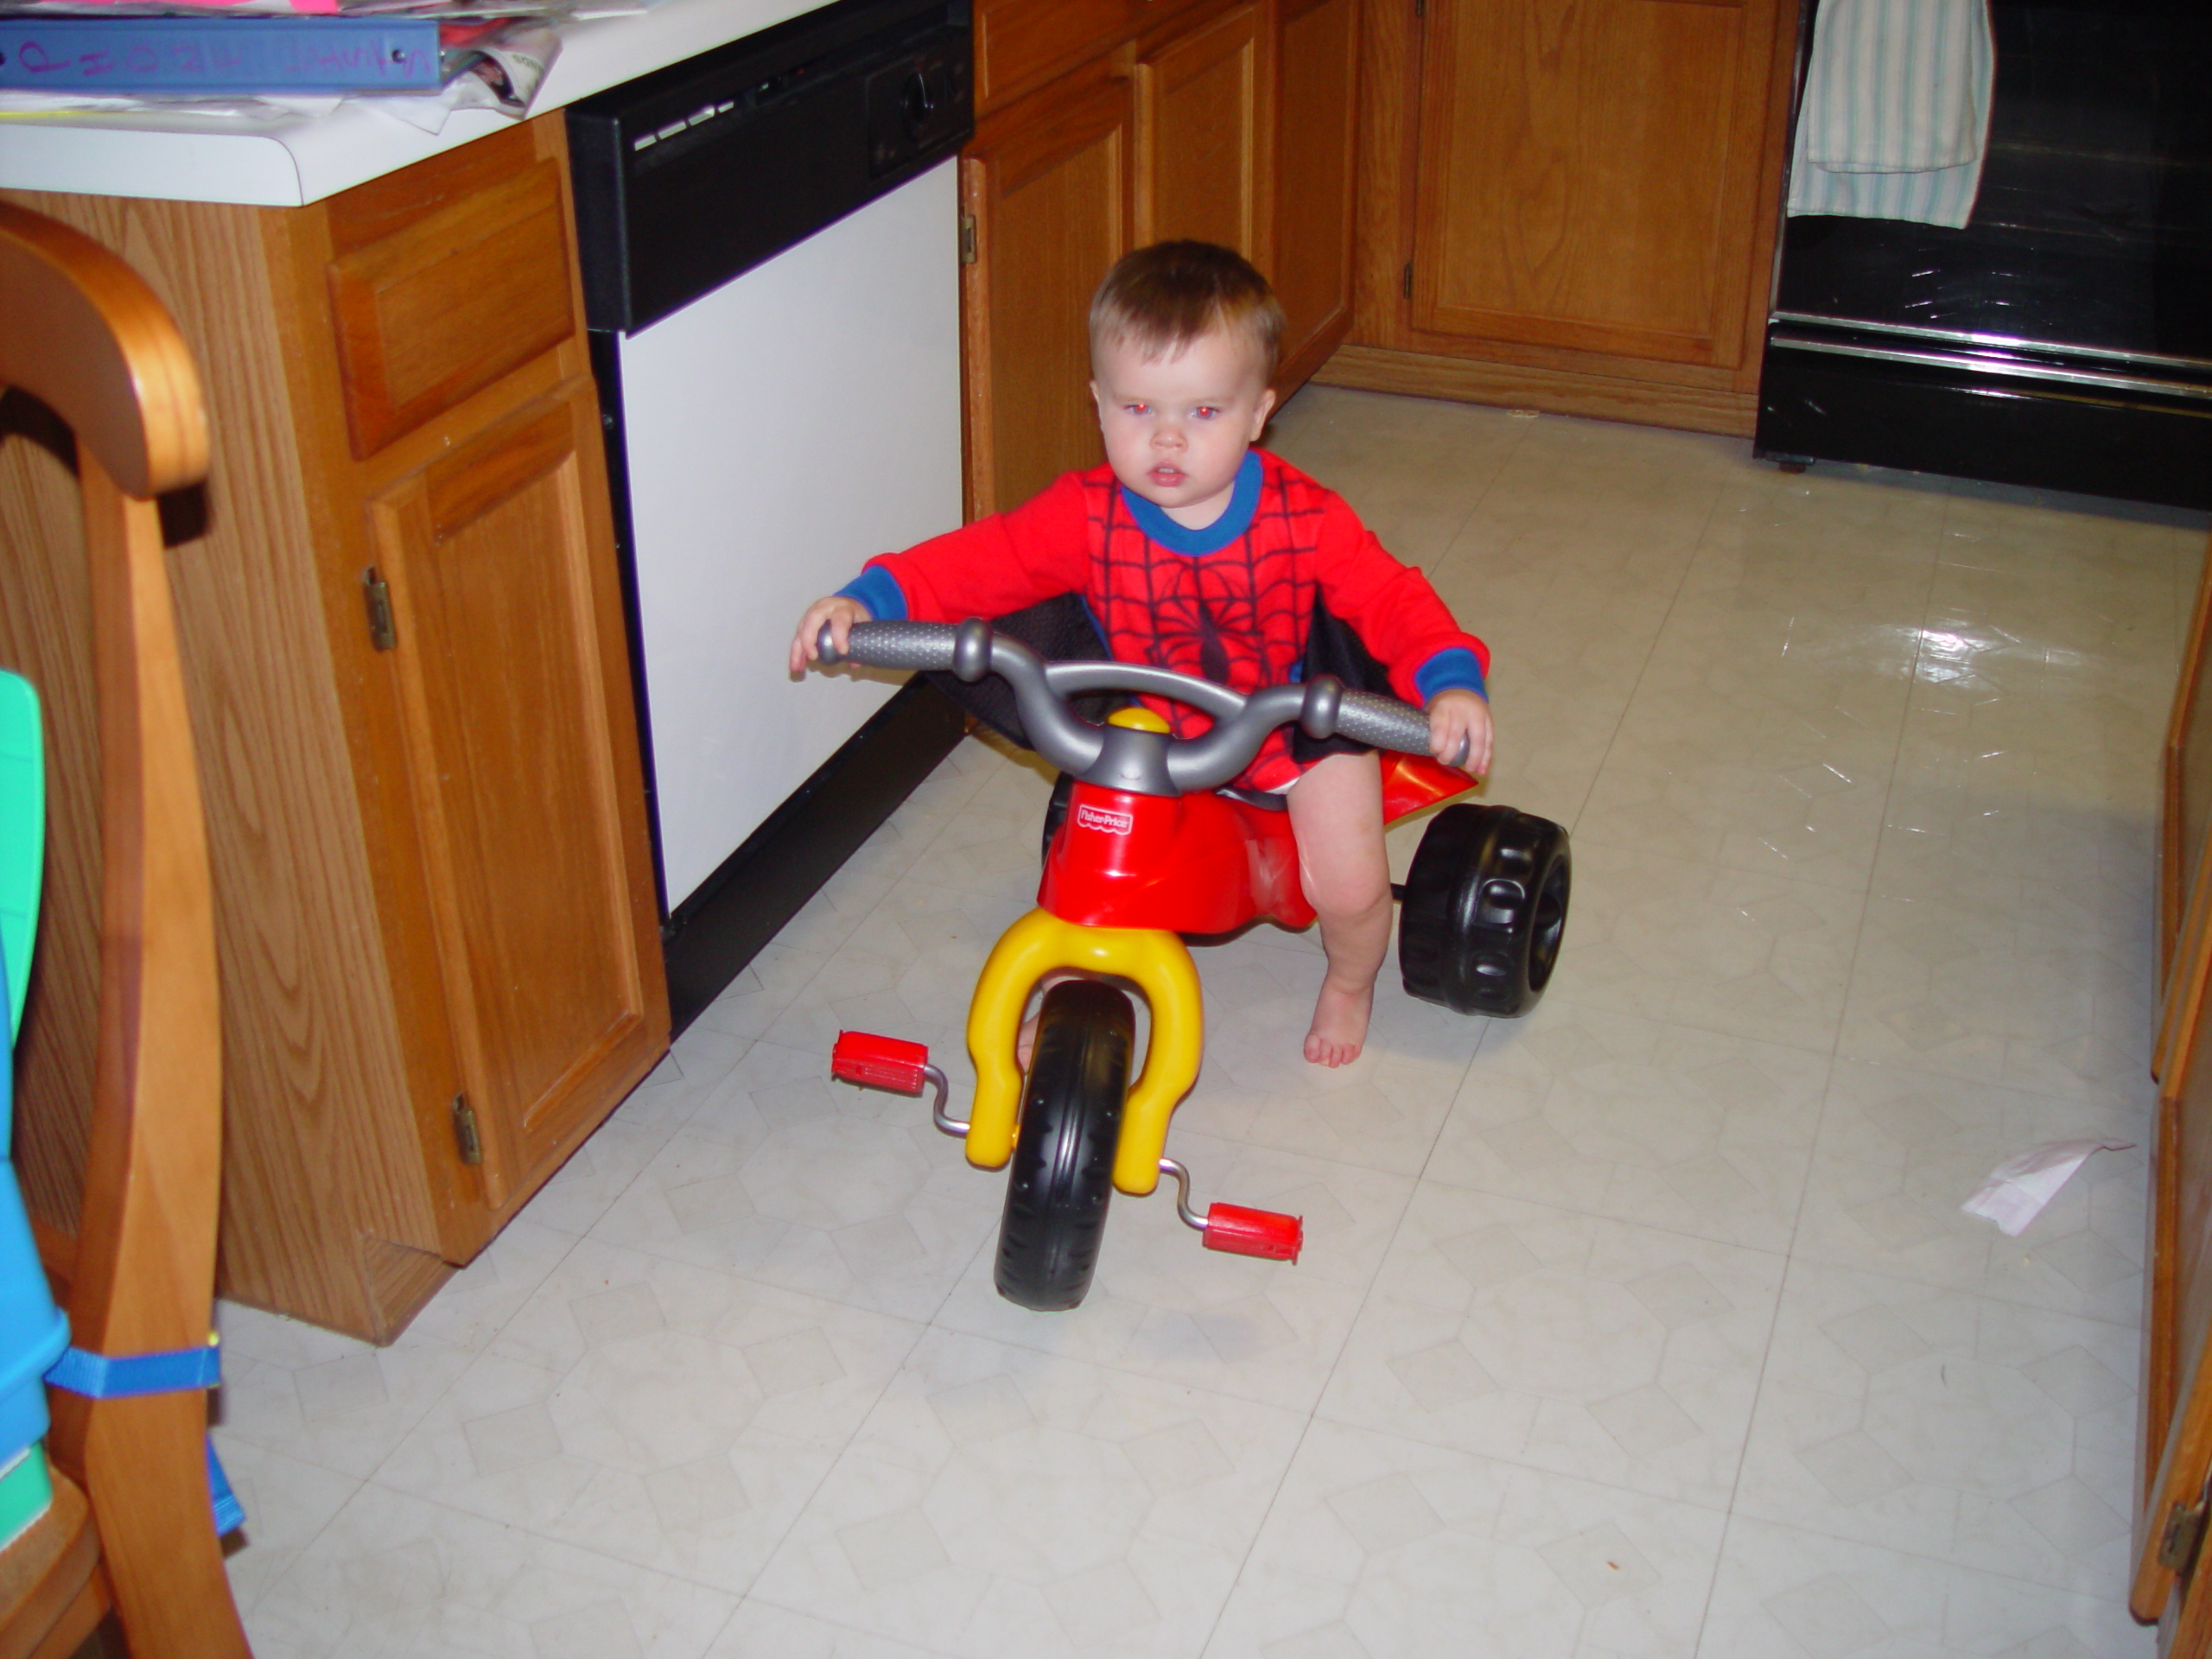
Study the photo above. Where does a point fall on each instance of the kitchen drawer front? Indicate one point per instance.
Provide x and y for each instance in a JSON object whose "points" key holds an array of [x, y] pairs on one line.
{"points": [[445, 306], [1020, 44]]}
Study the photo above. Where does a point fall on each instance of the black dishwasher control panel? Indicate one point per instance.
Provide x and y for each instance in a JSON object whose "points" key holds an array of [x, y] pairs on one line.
{"points": [[694, 175]]}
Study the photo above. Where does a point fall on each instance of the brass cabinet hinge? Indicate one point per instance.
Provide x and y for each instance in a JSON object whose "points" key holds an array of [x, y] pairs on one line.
{"points": [[377, 593], [2184, 1530], [967, 238], [464, 1131]]}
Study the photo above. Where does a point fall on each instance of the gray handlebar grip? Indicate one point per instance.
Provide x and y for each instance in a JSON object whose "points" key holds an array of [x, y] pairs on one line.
{"points": [[1383, 722], [964, 648], [902, 645]]}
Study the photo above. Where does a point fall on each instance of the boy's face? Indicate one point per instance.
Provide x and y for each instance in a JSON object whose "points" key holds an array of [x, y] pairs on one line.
{"points": [[1176, 427]]}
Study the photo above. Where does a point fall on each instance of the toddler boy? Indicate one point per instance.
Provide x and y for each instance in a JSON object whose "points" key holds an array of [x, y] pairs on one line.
{"points": [[1195, 552]]}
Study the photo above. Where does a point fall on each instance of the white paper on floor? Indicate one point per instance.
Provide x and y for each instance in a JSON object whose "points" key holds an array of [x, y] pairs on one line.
{"points": [[2018, 1189]]}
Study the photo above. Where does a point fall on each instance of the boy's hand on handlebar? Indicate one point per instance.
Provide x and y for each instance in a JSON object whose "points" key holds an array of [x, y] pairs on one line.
{"points": [[841, 614], [1458, 718]]}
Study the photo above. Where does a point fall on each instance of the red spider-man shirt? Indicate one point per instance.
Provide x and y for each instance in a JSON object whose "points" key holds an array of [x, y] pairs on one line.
{"points": [[1230, 603]]}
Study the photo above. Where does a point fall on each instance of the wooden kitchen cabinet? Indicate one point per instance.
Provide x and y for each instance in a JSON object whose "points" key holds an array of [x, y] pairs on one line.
{"points": [[1105, 125], [405, 651], [1310, 260], [2174, 1457], [510, 743], [1571, 204], [1202, 124], [1046, 188]]}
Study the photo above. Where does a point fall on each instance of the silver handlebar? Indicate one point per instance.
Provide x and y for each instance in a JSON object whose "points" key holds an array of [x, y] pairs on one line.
{"points": [[1117, 757]]}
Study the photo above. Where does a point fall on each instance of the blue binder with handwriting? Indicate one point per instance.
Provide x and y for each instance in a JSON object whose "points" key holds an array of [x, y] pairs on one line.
{"points": [[219, 54]]}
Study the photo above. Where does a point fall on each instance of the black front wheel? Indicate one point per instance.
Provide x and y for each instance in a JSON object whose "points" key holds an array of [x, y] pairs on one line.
{"points": [[1063, 1174], [1485, 906]]}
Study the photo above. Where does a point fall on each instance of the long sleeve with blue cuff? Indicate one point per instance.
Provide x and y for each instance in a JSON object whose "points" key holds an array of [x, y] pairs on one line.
{"points": [[1232, 602]]}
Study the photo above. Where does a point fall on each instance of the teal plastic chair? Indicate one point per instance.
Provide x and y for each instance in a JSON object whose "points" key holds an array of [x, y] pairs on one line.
{"points": [[33, 1332], [22, 839]]}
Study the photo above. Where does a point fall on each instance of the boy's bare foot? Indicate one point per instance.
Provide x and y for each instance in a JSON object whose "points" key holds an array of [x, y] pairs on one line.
{"points": [[1339, 1029]]}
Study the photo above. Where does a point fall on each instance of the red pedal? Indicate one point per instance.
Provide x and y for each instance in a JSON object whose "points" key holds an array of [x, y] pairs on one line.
{"points": [[878, 1062], [1255, 1232]]}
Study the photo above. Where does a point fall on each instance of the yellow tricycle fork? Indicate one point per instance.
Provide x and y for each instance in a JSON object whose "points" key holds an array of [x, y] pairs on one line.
{"points": [[1157, 962]]}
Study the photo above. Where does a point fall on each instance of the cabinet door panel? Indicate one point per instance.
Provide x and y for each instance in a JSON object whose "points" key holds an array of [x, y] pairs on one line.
{"points": [[2187, 798], [1047, 186], [511, 670], [1198, 126], [1316, 104], [2175, 1419], [1587, 173]]}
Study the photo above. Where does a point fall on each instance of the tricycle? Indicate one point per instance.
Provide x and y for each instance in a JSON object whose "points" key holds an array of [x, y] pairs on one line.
{"points": [[1146, 842]]}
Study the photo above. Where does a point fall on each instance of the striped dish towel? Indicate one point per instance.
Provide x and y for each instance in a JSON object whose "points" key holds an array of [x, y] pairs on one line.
{"points": [[1896, 114]]}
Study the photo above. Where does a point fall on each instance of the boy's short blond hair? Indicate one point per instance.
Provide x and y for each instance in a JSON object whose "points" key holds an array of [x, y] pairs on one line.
{"points": [[1160, 299]]}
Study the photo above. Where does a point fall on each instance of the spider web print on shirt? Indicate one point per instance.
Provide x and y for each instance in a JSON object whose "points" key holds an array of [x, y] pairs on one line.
{"points": [[1237, 616]]}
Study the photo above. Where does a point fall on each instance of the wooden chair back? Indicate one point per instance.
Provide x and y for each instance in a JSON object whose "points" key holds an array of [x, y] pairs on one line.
{"points": [[83, 334]]}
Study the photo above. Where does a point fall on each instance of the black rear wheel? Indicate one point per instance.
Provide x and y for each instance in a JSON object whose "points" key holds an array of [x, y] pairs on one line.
{"points": [[1063, 1175], [1485, 906]]}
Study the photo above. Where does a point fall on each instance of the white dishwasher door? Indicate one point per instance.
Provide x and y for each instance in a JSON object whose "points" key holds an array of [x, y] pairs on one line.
{"points": [[780, 431]]}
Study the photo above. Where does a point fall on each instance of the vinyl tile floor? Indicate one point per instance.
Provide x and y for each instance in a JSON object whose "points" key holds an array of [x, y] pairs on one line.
{"points": [[1646, 1325]]}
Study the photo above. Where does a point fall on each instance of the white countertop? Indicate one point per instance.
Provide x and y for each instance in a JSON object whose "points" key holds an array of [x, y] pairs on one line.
{"points": [[290, 163]]}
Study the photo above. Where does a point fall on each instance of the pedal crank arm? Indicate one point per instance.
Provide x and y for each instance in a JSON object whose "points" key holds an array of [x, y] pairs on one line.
{"points": [[1231, 1227], [896, 1066]]}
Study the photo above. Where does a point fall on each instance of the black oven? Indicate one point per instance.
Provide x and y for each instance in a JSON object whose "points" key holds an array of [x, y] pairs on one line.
{"points": [[2064, 338]]}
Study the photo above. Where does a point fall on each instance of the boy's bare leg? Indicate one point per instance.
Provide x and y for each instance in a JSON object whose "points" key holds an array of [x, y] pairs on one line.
{"points": [[1025, 1040], [1336, 810]]}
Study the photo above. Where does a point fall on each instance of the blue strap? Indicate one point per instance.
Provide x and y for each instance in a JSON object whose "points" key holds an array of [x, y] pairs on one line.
{"points": [[230, 1514], [120, 1376]]}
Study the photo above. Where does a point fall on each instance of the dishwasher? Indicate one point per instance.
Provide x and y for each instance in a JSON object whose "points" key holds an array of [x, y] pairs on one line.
{"points": [[769, 240]]}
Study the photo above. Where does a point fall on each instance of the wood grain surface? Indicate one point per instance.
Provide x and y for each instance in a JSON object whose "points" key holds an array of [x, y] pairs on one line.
{"points": [[1316, 127], [1558, 391], [1020, 44], [509, 732], [106, 363], [1586, 174], [345, 1198], [2175, 1412], [1203, 171], [1581, 192], [142, 1271], [401, 821], [296, 919], [449, 303], [2185, 800], [387, 206], [1047, 183]]}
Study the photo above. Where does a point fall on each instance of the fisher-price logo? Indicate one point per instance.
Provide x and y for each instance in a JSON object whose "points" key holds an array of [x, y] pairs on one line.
{"points": [[1097, 817]]}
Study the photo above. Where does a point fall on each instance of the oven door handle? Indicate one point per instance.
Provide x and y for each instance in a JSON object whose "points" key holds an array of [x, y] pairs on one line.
{"points": [[2010, 368]]}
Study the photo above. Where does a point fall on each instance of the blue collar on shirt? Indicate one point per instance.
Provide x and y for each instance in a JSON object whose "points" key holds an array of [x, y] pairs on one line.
{"points": [[1235, 519]]}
